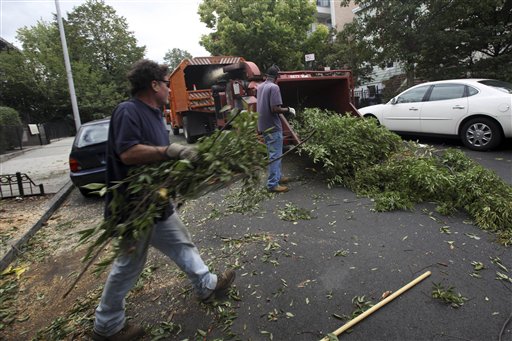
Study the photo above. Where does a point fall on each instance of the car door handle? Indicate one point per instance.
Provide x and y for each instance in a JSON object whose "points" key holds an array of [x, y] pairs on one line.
{"points": [[458, 107], [414, 109]]}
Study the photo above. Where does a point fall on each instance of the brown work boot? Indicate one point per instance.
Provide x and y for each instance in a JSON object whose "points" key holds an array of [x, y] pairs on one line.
{"points": [[284, 180], [224, 281], [128, 333], [279, 189]]}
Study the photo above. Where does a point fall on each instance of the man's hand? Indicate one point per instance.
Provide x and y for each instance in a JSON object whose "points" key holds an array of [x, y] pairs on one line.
{"points": [[179, 151], [291, 111]]}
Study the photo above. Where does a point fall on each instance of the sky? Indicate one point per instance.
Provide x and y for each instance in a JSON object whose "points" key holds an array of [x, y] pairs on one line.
{"points": [[160, 25]]}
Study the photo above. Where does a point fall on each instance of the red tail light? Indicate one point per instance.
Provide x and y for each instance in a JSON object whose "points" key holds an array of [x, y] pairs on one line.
{"points": [[74, 166]]}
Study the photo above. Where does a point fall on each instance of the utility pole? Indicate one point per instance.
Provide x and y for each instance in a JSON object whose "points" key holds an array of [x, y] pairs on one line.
{"points": [[74, 105]]}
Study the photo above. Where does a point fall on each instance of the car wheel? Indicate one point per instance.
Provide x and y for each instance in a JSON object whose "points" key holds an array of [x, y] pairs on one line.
{"points": [[480, 134], [372, 117]]}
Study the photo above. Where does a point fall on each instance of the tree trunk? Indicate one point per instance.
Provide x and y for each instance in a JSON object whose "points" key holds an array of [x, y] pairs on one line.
{"points": [[410, 74]]}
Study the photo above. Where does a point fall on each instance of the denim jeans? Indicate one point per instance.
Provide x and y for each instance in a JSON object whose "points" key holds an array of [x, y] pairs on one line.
{"points": [[274, 142], [173, 239]]}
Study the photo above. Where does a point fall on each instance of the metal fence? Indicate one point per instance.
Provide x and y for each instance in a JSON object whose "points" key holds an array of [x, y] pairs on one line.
{"points": [[368, 96], [57, 130], [11, 137], [18, 185], [18, 137]]}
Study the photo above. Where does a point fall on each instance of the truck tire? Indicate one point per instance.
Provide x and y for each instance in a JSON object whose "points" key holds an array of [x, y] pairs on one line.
{"points": [[480, 134], [186, 131]]}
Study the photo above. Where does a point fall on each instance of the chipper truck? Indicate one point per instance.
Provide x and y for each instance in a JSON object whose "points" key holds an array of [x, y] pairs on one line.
{"points": [[204, 90]]}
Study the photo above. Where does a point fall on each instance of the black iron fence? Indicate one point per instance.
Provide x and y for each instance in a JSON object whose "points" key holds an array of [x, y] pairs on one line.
{"points": [[370, 95], [11, 137], [57, 130], [18, 185], [18, 137]]}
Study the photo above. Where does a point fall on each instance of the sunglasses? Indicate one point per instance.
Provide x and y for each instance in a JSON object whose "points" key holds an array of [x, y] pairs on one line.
{"points": [[167, 83]]}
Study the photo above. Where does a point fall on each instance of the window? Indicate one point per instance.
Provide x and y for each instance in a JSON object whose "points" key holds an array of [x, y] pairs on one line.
{"points": [[92, 134], [447, 91], [413, 95], [471, 91], [500, 85]]}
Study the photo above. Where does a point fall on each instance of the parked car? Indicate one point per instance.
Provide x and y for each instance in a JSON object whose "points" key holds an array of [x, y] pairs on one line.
{"points": [[478, 111], [87, 163]]}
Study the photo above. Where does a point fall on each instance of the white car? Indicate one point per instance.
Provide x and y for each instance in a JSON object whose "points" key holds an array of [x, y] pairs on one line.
{"points": [[476, 110]]}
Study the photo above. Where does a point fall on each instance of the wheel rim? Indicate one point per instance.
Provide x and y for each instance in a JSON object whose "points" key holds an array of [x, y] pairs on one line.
{"points": [[479, 134]]}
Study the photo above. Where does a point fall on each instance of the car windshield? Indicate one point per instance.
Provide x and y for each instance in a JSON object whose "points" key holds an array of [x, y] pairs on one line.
{"points": [[499, 85], [92, 134]]}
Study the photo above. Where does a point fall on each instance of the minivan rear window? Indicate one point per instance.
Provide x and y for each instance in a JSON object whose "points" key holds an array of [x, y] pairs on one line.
{"points": [[92, 134], [500, 85]]}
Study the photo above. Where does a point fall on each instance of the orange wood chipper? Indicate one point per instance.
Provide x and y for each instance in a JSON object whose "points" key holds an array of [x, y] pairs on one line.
{"points": [[204, 90]]}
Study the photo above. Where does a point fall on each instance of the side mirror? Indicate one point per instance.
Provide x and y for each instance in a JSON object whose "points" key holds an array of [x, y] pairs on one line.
{"points": [[394, 100]]}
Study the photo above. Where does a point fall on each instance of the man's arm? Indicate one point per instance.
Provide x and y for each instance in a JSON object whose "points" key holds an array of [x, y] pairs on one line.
{"points": [[277, 109], [141, 154]]}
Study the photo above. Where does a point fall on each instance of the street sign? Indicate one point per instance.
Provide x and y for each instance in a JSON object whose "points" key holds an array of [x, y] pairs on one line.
{"points": [[310, 57]]}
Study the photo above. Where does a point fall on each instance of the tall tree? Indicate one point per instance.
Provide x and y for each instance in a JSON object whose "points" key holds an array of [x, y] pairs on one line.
{"points": [[100, 37], [348, 53], [320, 43], [392, 29], [264, 31], [174, 57], [471, 38], [437, 39], [35, 80]]}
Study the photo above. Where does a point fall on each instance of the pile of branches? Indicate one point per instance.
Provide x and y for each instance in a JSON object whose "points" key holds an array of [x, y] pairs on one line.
{"points": [[223, 158], [373, 161]]}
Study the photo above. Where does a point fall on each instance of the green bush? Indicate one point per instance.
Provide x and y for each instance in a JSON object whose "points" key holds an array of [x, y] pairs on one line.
{"points": [[9, 127], [9, 117]]}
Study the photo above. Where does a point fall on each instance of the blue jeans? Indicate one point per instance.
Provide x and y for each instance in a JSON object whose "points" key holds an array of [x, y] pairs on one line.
{"points": [[274, 142], [173, 239]]}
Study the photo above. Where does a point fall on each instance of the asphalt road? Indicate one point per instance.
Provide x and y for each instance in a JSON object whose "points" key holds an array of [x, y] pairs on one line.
{"points": [[295, 279], [298, 290]]}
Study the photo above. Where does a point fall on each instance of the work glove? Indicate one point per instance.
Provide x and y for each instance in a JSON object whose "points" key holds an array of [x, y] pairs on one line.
{"points": [[291, 111], [182, 152]]}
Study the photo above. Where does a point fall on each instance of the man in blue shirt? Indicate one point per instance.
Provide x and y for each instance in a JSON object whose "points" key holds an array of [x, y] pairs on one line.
{"points": [[269, 106], [137, 136]]}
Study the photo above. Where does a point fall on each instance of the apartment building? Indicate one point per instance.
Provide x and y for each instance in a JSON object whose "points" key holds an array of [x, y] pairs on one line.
{"points": [[331, 14]]}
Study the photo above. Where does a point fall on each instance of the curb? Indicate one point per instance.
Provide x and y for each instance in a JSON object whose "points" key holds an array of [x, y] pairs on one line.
{"points": [[11, 155], [52, 206]]}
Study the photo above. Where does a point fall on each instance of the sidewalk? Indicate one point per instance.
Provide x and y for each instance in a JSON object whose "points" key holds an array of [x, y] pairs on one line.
{"points": [[46, 164]]}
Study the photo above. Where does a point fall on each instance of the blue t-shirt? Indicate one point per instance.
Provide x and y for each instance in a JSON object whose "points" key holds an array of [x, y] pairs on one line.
{"points": [[268, 95], [132, 122]]}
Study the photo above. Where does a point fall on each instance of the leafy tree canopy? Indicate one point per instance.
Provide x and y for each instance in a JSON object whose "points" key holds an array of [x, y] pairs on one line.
{"points": [[174, 57], [101, 37], [436, 39], [264, 32], [346, 53], [101, 51]]}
